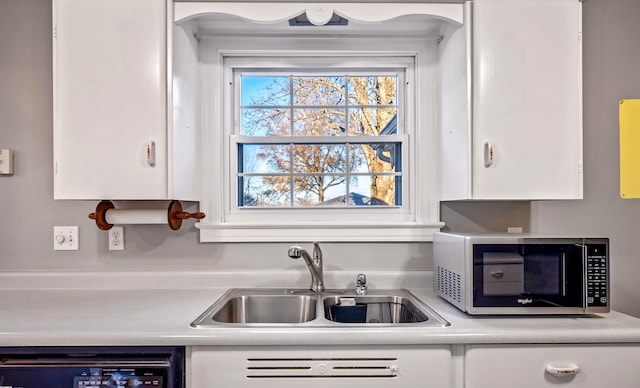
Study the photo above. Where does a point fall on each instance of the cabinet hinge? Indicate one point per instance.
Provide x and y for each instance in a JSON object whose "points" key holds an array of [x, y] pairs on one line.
{"points": [[55, 32]]}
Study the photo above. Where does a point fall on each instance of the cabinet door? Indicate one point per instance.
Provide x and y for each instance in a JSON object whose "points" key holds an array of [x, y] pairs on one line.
{"points": [[525, 366], [110, 93], [526, 99], [319, 367]]}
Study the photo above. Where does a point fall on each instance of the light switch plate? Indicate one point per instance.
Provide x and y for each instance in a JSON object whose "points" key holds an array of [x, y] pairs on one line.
{"points": [[6, 162], [65, 238]]}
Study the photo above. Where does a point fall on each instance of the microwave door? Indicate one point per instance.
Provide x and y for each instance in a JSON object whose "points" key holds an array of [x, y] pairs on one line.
{"points": [[529, 275]]}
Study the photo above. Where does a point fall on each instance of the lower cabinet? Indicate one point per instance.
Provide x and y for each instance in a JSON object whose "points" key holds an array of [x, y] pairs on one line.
{"points": [[539, 366], [471, 366], [325, 366]]}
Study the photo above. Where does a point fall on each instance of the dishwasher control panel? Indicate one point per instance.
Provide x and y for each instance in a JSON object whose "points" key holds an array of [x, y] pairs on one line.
{"points": [[114, 377], [79, 377]]}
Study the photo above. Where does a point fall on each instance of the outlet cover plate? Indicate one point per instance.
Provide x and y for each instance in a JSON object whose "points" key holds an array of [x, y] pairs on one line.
{"points": [[65, 238], [116, 238]]}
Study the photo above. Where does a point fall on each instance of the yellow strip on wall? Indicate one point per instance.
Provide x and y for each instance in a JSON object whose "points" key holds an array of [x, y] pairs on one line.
{"points": [[630, 148]]}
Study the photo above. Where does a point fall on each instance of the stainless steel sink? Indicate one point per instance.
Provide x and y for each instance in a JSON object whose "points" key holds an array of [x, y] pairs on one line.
{"points": [[267, 309], [373, 309], [271, 307]]}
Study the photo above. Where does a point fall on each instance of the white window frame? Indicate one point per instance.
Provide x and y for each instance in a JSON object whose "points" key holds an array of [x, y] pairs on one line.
{"points": [[416, 220], [299, 65]]}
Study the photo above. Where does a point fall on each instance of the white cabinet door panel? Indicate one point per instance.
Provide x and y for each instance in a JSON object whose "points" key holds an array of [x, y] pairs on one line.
{"points": [[110, 82], [526, 99], [509, 366]]}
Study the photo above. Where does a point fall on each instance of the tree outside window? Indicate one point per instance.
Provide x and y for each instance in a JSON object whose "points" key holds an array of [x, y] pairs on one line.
{"points": [[322, 141]]}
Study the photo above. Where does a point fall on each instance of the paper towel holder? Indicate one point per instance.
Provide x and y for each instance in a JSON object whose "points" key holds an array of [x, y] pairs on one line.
{"points": [[175, 215]]}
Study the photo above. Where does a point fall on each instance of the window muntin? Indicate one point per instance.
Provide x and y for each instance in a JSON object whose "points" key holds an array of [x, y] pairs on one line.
{"points": [[294, 149]]}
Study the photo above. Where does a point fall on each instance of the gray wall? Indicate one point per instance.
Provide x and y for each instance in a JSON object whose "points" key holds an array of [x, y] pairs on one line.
{"points": [[28, 212], [611, 35]]}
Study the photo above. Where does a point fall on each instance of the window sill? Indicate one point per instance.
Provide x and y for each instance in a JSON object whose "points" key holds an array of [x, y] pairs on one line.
{"points": [[409, 232]]}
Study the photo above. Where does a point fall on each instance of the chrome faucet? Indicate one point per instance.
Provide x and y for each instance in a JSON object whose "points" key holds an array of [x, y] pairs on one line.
{"points": [[361, 284], [315, 265]]}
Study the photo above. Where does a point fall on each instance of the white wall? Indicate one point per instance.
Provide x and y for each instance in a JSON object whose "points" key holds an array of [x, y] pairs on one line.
{"points": [[28, 212]]}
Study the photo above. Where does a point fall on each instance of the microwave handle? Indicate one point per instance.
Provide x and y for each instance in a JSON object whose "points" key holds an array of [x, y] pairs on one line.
{"points": [[585, 283], [563, 260]]}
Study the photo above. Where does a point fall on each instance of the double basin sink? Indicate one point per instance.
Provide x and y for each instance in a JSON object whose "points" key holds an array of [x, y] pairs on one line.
{"points": [[242, 307]]}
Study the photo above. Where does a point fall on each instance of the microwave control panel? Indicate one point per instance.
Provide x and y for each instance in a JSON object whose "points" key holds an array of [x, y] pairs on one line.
{"points": [[597, 275]]}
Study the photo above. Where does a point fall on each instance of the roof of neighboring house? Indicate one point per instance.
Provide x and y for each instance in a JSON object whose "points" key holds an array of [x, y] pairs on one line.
{"points": [[355, 199]]}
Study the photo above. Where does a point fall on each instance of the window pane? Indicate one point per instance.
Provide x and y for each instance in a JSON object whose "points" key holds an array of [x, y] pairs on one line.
{"points": [[264, 90], [375, 190], [264, 122], [320, 190], [264, 191], [291, 172], [376, 158], [318, 122], [325, 90], [264, 158], [373, 121], [373, 90], [319, 158]]}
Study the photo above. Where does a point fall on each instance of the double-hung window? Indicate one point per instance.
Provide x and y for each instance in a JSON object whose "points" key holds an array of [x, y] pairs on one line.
{"points": [[319, 146], [309, 139]]}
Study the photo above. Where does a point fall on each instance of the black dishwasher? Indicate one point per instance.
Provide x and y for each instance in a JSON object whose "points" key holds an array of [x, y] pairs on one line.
{"points": [[84, 367]]}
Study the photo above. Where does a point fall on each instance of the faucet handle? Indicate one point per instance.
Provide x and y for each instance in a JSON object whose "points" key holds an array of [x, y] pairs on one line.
{"points": [[361, 284], [317, 252]]}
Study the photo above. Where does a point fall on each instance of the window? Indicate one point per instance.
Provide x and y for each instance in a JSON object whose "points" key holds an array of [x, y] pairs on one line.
{"points": [[316, 144], [327, 140]]}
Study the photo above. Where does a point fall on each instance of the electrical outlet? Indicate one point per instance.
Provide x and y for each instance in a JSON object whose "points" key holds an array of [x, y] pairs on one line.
{"points": [[65, 238], [116, 238]]}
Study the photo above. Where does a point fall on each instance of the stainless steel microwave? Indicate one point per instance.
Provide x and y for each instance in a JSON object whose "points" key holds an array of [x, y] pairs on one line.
{"points": [[521, 273]]}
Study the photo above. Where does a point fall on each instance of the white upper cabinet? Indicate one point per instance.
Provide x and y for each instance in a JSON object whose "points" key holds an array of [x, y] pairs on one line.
{"points": [[114, 135], [127, 95], [512, 102]]}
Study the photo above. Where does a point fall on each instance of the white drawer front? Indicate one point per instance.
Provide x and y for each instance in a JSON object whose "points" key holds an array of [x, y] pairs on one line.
{"points": [[333, 367], [538, 366]]}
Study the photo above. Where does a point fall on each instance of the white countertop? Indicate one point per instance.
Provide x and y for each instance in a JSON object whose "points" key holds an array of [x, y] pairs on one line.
{"points": [[156, 309]]}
